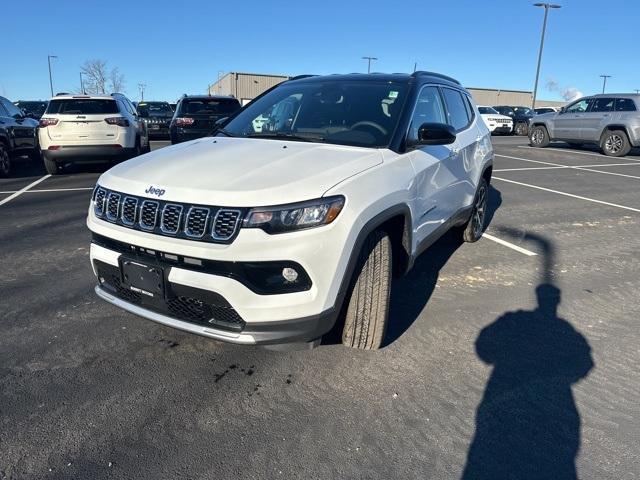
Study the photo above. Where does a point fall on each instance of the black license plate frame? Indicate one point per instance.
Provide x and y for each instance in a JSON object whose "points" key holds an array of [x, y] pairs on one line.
{"points": [[142, 277]]}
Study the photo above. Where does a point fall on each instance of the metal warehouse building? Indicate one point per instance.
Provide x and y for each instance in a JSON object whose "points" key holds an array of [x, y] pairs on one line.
{"points": [[246, 86]]}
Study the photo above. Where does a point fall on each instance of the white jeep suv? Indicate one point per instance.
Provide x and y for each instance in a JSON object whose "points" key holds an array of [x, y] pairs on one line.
{"points": [[279, 235], [495, 122], [90, 128]]}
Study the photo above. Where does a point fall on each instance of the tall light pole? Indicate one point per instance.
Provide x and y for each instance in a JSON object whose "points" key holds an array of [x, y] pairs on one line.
{"points": [[49, 57], [546, 6], [604, 81], [82, 85], [141, 87], [369, 64], [637, 91]]}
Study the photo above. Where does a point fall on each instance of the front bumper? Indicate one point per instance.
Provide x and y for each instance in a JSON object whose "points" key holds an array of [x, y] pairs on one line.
{"points": [[273, 318], [88, 153], [500, 127]]}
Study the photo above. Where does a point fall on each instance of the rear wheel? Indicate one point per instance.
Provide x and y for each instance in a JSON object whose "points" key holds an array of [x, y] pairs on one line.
{"points": [[539, 137], [50, 166], [368, 308], [615, 143], [474, 228], [5, 161]]}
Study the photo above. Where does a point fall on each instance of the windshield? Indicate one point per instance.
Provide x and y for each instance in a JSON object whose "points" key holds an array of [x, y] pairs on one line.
{"points": [[523, 111], [150, 109], [36, 108], [84, 106], [488, 110], [209, 106], [363, 114]]}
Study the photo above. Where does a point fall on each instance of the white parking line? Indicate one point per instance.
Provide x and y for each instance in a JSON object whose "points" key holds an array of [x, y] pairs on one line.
{"points": [[624, 207], [524, 251], [571, 166], [52, 190], [566, 150], [565, 166], [22, 190]]}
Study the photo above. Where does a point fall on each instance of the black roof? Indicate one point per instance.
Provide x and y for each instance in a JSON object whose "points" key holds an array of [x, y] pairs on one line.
{"points": [[385, 77], [203, 97]]}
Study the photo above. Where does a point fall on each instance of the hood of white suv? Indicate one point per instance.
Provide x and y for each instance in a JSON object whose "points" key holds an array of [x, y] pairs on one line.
{"points": [[239, 172]]}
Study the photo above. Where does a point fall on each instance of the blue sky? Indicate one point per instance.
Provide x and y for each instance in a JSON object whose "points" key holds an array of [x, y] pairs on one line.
{"points": [[179, 47]]}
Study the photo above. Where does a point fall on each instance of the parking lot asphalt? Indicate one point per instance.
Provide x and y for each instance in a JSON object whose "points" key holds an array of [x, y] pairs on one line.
{"points": [[479, 376]]}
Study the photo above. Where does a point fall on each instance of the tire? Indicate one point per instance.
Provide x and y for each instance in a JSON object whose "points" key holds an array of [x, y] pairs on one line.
{"points": [[50, 166], [539, 137], [521, 129], [615, 143], [474, 228], [5, 161], [368, 308]]}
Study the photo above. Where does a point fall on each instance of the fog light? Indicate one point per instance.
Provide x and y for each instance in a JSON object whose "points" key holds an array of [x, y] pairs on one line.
{"points": [[289, 274]]}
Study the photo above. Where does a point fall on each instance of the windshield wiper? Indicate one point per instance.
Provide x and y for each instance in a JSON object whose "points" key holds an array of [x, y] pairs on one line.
{"points": [[285, 136], [226, 133]]}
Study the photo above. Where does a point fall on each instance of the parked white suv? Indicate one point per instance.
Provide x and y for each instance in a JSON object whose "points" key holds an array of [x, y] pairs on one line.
{"points": [[495, 122], [90, 128], [273, 237]]}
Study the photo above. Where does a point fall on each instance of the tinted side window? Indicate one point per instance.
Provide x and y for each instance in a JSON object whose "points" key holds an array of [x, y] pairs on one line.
{"points": [[429, 109], [456, 111], [3, 112], [470, 111], [625, 105], [602, 105], [578, 107]]}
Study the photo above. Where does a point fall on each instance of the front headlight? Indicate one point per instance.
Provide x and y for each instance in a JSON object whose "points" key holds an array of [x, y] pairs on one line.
{"points": [[296, 216]]}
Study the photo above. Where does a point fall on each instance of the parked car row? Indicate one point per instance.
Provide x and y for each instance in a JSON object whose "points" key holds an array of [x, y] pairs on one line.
{"points": [[71, 129]]}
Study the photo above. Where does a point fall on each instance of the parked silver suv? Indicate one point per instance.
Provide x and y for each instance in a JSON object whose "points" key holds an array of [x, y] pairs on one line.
{"points": [[611, 121]]}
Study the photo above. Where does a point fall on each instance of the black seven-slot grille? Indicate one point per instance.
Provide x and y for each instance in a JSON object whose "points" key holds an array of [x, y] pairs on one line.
{"points": [[193, 222]]}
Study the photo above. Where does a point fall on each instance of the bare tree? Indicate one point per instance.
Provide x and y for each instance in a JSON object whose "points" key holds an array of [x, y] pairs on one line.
{"points": [[116, 80], [95, 74]]}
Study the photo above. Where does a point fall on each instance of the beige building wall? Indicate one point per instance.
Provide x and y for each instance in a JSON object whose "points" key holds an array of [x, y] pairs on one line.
{"points": [[244, 86]]}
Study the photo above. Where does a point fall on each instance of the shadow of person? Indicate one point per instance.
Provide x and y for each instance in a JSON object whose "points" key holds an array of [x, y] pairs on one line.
{"points": [[527, 424]]}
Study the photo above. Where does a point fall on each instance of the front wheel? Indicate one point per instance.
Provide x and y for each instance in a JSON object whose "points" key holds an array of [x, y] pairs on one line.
{"points": [[368, 308], [5, 161], [539, 137], [521, 129], [615, 143], [474, 228]]}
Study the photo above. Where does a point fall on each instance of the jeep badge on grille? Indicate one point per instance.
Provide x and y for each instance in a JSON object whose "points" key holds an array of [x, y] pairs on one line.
{"points": [[155, 191]]}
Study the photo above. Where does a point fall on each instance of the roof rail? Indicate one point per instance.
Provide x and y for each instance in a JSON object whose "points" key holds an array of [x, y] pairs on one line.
{"points": [[433, 74], [299, 77]]}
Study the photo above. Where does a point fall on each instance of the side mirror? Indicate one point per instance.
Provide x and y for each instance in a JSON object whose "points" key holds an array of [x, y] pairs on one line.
{"points": [[435, 134], [562, 109]]}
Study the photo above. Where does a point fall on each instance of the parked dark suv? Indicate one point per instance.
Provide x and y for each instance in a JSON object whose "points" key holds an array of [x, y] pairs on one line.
{"points": [[32, 108], [196, 115], [157, 116], [520, 117], [18, 136]]}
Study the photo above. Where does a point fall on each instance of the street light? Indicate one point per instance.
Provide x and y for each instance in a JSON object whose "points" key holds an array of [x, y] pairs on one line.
{"points": [[82, 85], [49, 57], [546, 6], [604, 81], [369, 60]]}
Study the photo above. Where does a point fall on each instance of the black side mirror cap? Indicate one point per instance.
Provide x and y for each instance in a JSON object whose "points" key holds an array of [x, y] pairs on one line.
{"points": [[221, 121], [435, 134]]}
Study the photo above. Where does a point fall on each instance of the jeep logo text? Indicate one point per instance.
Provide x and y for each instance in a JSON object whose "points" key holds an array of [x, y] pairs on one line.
{"points": [[155, 191]]}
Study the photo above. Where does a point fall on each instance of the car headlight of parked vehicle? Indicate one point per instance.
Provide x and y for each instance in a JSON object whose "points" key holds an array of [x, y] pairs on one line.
{"points": [[298, 216]]}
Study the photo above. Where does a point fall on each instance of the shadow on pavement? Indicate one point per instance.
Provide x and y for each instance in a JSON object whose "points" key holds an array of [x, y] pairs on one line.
{"points": [[527, 424], [410, 294]]}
